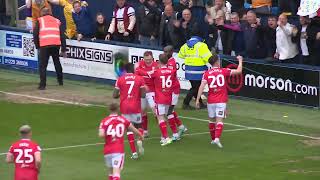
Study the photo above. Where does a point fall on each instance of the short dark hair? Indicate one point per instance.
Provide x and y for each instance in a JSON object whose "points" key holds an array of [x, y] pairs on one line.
{"points": [[76, 2], [163, 58], [129, 68], [148, 53], [272, 17], [213, 59], [113, 107]]}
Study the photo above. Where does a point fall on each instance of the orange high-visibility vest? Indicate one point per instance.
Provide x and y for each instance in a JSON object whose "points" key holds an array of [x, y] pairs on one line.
{"points": [[49, 31]]}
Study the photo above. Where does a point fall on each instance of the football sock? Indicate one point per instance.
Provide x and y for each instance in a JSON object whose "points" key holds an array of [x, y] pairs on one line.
{"points": [[176, 118], [219, 129], [163, 129], [110, 177], [145, 122], [212, 129], [172, 123], [116, 177], [131, 142]]}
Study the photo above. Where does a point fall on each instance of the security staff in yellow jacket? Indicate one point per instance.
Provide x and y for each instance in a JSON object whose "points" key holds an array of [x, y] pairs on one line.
{"points": [[195, 54]]}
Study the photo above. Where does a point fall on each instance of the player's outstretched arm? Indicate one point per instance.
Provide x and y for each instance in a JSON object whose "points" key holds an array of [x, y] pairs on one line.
{"points": [[239, 69], [9, 158], [136, 131], [116, 93], [200, 91], [37, 156], [101, 133]]}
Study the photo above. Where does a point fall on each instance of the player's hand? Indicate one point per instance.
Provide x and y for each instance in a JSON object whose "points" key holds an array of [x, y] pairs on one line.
{"points": [[197, 104], [240, 58]]}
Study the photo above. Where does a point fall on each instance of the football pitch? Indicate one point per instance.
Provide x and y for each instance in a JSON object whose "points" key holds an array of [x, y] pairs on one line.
{"points": [[262, 141]]}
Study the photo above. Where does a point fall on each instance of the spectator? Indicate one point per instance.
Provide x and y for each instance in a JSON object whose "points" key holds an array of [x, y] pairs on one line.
{"points": [[288, 7], [286, 49], [236, 5], [219, 5], [236, 35], [165, 3], [101, 28], [261, 6], [299, 36], [71, 29], [148, 21], [182, 5], [167, 34], [36, 6], [6, 12], [220, 38], [270, 36], [313, 41], [253, 35], [122, 26], [186, 26], [82, 18]]}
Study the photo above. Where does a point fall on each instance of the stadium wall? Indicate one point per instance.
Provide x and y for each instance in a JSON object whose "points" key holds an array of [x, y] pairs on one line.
{"points": [[103, 61]]}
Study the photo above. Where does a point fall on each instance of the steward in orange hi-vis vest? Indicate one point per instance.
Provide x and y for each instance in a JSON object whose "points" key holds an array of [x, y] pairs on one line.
{"points": [[48, 38], [49, 31]]}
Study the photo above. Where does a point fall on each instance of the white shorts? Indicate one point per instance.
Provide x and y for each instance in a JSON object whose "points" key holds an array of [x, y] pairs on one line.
{"points": [[148, 101], [175, 98], [162, 109], [217, 110], [114, 160], [133, 118]]}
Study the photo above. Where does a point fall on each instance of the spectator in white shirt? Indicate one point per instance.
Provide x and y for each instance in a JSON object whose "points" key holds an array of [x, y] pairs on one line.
{"points": [[286, 50]]}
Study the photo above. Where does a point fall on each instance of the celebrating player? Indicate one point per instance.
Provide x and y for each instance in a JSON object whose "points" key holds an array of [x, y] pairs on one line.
{"points": [[144, 68], [216, 78], [112, 129], [130, 88], [173, 118], [26, 155], [163, 80]]}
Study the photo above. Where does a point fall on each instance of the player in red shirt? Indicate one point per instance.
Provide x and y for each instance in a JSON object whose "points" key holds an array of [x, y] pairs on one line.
{"points": [[144, 68], [163, 80], [130, 88], [173, 118], [112, 129], [26, 155], [216, 78]]}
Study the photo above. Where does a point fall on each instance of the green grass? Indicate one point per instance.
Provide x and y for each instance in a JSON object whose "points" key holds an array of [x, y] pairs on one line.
{"points": [[247, 155]]}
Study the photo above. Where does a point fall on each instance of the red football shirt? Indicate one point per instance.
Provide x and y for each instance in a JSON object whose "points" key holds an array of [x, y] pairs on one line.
{"points": [[145, 70], [129, 86], [163, 80], [114, 127], [23, 152], [175, 82], [217, 83]]}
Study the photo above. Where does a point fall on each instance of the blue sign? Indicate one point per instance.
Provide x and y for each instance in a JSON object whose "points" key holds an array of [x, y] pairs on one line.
{"points": [[13, 40], [20, 62], [1, 60]]}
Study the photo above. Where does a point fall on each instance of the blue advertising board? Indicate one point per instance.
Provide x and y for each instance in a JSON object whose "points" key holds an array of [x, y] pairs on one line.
{"points": [[17, 49]]}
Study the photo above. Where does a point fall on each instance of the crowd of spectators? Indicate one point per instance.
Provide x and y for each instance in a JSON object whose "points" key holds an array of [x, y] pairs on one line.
{"points": [[257, 29]]}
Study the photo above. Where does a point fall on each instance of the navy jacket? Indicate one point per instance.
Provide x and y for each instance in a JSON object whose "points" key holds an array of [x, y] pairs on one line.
{"points": [[83, 22]]}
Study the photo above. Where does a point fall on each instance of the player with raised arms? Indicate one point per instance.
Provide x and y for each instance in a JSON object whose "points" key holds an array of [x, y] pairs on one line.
{"points": [[173, 118], [145, 68], [216, 79], [112, 129], [130, 88], [26, 155]]}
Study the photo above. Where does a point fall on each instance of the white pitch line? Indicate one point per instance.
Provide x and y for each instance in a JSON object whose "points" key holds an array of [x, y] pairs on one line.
{"points": [[191, 118], [151, 138]]}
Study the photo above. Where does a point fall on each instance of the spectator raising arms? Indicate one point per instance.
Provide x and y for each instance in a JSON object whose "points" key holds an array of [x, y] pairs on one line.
{"points": [[219, 5], [101, 27], [186, 26], [168, 35], [313, 34], [81, 17], [123, 23], [71, 29], [270, 36], [286, 49], [299, 36], [148, 21], [36, 6], [182, 5]]}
